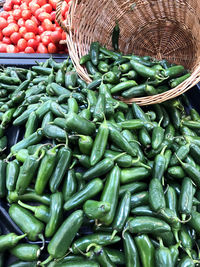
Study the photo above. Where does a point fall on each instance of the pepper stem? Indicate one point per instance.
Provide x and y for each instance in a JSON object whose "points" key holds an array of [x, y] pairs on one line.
{"points": [[20, 237], [50, 258], [43, 241], [90, 246], [163, 150], [26, 206], [118, 156], [113, 234]]}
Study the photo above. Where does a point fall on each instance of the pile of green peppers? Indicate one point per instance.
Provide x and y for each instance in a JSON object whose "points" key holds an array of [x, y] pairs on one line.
{"points": [[131, 76], [88, 161]]}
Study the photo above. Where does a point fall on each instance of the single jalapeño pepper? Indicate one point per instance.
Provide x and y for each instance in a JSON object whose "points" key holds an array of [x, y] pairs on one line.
{"points": [[64, 159], [2, 178], [26, 222], [85, 144], [156, 195], [163, 256], [55, 215], [146, 250], [96, 209], [26, 252], [70, 185], [41, 212], [10, 240]]}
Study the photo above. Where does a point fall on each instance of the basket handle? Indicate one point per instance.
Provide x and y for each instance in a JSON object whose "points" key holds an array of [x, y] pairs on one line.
{"points": [[59, 16]]}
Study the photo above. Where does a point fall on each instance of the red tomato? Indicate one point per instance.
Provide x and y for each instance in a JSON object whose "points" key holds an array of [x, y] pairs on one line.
{"points": [[65, 8], [24, 6], [59, 29], [31, 26], [17, 14], [42, 48], [44, 15], [16, 2], [32, 43], [34, 19], [3, 48], [40, 29], [47, 25], [3, 23], [29, 35], [10, 29], [41, 2], [21, 44], [53, 3], [6, 40], [11, 20], [38, 38], [7, 7], [64, 35], [15, 36], [4, 14], [22, 31], [29, 50], [33, 7], [38, 11], [56, 36], [1, 36], [52, 48], [21, 22], [26, 14], [46, 40], [53, 15], [47, 8], [46, 33], [16, 7], [11, 49]]}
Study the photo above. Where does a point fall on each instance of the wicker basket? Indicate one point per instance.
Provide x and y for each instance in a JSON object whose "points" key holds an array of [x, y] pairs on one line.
{"points": [[163, 29]]}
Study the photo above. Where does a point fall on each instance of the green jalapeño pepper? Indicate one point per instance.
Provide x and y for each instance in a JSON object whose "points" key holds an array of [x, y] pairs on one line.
{"points": [[96, 209], [102, 257], [41, 212], [110, 194], [163, 256], [131, 251], [70, 185], [63, 238], [100, 143], [55, 216], [26, 252], [26, 222], [9, 241], [85, 144], [64, 159], [186, 197], [146, 250], [2, 178], [122, 213], [156, 195], [90, 190], [12, 171], [27, 172]]}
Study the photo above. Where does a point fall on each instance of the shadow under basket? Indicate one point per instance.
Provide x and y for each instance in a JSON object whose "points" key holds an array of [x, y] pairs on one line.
{"points": [[162, 29]]}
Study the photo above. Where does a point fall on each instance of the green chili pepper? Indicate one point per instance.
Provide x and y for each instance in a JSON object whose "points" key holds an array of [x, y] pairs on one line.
{"points": [[94, 53], [132, 188], [110, 194], [173, 71], [12, 172], [177, 81], [26, 142], [115, 255], [176, 172], [26, 222], [7, 117], [156, 195], [123, 86], [182, 153], [63, 163], [157, 136], [27, 172], [31, 124], [115, 36], [84, 59], [40, 212], [103, 239], [144, 137], [146, 250], [103, 66], [91, 189], [26, 252], [163, 256], [186, 240], [186, 197], [10, 240], [134, 174], [171, 199], [48, 117], [96, 209], [55, 216], [159, 165], [64, 236], [124, 161], [147, 225], [2, 178], [122, 213], [70, 185], [186, 262]]}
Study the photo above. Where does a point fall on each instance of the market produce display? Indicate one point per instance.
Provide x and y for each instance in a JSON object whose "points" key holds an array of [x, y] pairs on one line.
{"points": [[106, 184], [132, 75], [30, 26]]}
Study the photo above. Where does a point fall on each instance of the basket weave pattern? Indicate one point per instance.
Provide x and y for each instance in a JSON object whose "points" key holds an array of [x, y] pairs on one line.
{"points": [[163, 29]]}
